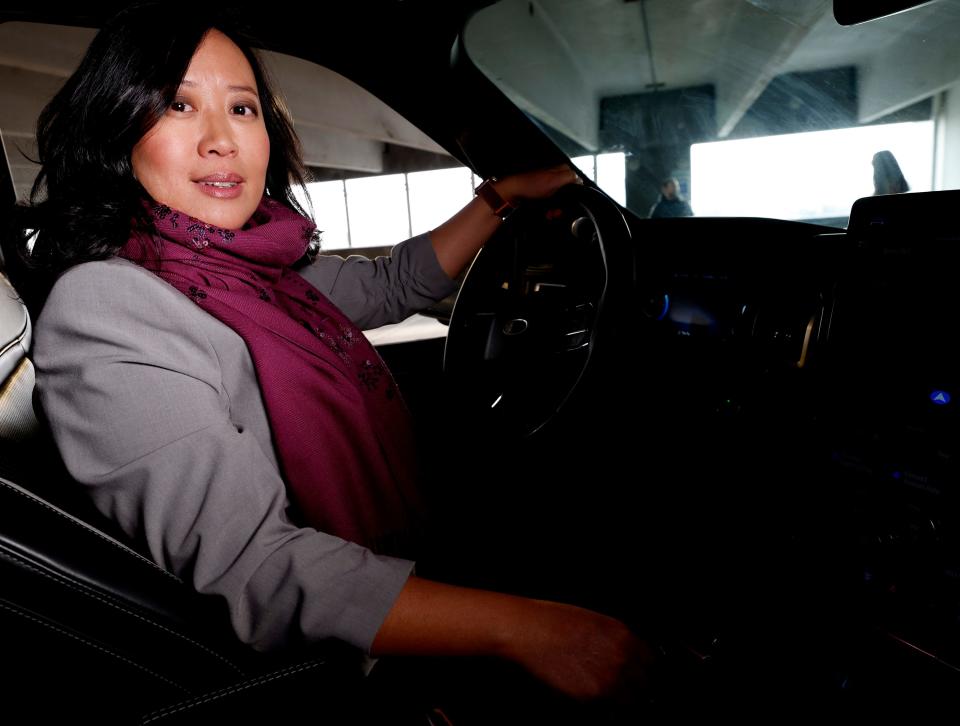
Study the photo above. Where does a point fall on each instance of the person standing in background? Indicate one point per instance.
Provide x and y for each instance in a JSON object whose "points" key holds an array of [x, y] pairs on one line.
{"points": [[887, 177], [670, 204]]}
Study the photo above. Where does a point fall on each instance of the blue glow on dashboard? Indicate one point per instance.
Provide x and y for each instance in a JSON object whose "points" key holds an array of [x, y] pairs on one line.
{"points": [[666, 308], [941, 398]]}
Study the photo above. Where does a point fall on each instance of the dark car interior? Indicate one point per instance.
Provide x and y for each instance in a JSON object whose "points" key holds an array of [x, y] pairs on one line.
{"points": [[738, 435]]}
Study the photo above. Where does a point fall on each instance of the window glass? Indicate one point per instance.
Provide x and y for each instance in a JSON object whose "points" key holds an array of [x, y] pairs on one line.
{"points": [[586, 164], [377, 210], [330, 213], [812, 176], [611, 175], [437, 195], [733, 107]]}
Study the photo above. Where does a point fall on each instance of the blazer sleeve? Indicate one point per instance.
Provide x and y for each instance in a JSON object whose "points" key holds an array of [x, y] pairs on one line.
{"points": [[133, 394], [385, 290]]}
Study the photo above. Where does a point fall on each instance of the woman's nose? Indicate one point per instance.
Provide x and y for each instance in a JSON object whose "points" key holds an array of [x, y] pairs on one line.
{"points": [[217, 137]]}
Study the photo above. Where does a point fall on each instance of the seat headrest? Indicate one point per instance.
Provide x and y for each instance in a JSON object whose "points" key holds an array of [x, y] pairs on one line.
{"points": [[14, 329], [17, 418]]}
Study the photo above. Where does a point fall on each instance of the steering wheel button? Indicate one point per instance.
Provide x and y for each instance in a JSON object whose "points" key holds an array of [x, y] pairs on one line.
{"points": [[576, 339], [515, 326], [548, 286]]}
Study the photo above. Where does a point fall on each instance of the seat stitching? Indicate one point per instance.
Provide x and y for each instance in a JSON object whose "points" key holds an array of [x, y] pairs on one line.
{"points": [[78, 522], [112, 602], [231, 690], [18, 611]]}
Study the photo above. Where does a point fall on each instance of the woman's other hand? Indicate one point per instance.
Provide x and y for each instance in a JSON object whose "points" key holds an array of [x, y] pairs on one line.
{"points": [[581, 653], [537, 184]]}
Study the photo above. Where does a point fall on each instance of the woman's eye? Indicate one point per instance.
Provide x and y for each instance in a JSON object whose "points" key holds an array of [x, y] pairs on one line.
{"points": [[245, 109], [179, 106]]}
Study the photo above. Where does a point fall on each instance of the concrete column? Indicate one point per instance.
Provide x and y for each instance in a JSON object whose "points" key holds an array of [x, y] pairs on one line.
{"points": [[948, 153], [656, 130]]}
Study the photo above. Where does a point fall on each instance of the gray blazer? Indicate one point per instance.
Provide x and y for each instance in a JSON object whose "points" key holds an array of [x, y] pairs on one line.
{"points": [[155, 407]]}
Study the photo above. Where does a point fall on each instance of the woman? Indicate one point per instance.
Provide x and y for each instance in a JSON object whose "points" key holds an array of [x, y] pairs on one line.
{"points": [[887, 176], [224, 409]]}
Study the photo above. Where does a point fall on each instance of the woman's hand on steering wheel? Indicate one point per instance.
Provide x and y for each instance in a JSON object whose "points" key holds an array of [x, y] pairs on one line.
{"points": [[537, 184]]}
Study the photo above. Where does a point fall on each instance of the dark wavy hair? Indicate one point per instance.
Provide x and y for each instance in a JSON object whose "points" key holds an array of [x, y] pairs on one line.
{"points": [[85, 200]]}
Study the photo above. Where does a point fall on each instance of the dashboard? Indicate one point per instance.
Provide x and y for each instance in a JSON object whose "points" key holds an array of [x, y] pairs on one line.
{"points": [[802, 393]]}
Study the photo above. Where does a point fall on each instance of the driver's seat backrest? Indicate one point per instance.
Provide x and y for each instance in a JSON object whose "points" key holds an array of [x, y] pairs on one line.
{"points": [[28, 455]]}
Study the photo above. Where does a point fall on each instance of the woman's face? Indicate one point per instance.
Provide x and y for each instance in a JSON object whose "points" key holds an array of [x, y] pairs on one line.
{"points": [[208, 154]]}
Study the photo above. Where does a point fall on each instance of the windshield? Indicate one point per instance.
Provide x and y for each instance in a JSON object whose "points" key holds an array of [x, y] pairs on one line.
{"points": [[763, 108]]}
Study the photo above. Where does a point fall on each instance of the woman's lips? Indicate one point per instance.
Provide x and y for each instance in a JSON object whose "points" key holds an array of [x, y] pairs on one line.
{"points": [[221, 190]]}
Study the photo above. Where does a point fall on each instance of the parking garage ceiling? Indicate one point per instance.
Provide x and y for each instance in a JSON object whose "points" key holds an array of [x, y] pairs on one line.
{"points": [[598, 48]]}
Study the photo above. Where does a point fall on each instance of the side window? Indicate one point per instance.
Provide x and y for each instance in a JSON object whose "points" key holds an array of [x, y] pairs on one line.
{"points": [[377, 179], [35, 61]]}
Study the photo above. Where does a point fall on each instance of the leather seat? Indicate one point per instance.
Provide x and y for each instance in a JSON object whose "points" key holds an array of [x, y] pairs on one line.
{"points": [[93, 629], [17, 420]]}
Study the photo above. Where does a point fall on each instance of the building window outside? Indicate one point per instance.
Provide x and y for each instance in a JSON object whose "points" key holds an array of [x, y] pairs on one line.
{"points": [[378, 211], [806, 176]]}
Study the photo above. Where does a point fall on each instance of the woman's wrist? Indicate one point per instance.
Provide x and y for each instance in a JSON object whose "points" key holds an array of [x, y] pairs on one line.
{"points": [[491, 192], [511, 627], [433, 618]]}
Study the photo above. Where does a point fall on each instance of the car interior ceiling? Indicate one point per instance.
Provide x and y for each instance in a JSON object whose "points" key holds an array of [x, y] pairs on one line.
{"points": [[738, 435]]}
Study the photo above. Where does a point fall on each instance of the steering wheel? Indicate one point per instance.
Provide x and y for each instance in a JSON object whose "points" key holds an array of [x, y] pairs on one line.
{"points": [[531, 312]]}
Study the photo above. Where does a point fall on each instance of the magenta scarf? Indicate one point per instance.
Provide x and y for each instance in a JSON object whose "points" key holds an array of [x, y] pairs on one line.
{"points": [[340, 428]]}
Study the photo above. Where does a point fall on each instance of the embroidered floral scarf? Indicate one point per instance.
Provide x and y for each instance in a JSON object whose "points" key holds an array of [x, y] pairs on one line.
{"points": [[340, 428]]}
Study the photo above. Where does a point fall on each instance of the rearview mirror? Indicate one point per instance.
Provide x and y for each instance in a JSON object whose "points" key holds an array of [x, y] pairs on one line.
{"points": [[852, 12]]}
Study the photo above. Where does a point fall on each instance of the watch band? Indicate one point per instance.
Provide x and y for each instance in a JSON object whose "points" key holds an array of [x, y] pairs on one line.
{"points": [[500, 206]]}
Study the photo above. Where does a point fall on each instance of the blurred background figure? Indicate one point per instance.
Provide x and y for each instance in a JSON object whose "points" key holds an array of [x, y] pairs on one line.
{"points": [[887, 177], [671, 204]]}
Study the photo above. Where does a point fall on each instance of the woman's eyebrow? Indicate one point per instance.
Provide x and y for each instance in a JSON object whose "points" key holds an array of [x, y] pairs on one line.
{"points": [[249, 89]]}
